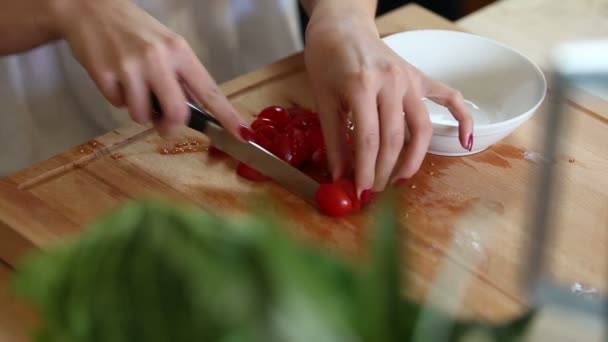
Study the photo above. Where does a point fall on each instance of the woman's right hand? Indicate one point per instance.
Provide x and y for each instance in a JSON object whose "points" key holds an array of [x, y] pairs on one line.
{"points": [[130, 55]]}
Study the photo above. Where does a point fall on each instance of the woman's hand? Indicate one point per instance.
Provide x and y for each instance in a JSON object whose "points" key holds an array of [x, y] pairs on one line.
{"points": [[131, 55], [356, 76]]}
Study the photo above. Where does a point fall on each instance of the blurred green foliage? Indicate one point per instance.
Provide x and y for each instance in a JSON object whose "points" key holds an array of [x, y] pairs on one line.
{"points": [[153, 272]]}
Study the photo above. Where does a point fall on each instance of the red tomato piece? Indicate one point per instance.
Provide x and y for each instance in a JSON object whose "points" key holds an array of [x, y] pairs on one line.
{"points": [[319, 156], [261, 122], [349, 189], [265, 135], [368, 196], [315, 134], [249, 173], [333, 201], [301, 147], [277, 114], [304, 121], [216, 152], [281, 147]]}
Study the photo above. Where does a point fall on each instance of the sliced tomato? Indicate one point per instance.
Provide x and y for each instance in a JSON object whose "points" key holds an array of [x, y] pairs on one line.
{"points": [[315, 134], [261, 122], [301, 147], [333, 201], [249, 173], [265, 135], [276, 114]]}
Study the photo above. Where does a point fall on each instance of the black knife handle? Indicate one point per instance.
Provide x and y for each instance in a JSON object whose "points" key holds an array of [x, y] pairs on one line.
{"points": [[199, 118]]}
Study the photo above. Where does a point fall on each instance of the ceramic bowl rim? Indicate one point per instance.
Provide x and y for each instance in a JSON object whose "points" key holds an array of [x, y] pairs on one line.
{"points": [[500, 124]]}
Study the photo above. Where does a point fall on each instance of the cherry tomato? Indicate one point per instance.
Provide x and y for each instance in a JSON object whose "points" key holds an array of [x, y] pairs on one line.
{"points": [[281, 147], [319, 156], [249, 173], [261, 122], [333, 201], [304, 121], [315, 134], [349, 189], [265, 135], [301, 147], [277, 114]]}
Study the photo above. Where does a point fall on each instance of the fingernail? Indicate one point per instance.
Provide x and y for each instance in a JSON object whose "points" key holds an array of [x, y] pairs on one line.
{"points": [[246, 133], [470, 143], [368, 196]]}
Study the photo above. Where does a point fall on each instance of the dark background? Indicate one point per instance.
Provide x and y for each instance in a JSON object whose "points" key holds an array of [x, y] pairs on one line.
{"points": [[450, 9]]}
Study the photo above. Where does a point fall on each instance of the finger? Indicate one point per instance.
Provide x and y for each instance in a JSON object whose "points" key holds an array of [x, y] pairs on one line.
{"points": [[366, 137], [334, 133], [209, 95], [164, 84], [421, 131], [109, 85], [392, 134], [137, 94], [453, 100]]}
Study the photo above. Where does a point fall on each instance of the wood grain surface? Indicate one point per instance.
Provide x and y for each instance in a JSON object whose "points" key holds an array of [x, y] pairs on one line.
{"points": [[57, 198]]}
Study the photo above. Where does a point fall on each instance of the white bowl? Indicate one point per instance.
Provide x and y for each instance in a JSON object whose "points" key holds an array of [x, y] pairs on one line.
{"points": [[502, 87]]}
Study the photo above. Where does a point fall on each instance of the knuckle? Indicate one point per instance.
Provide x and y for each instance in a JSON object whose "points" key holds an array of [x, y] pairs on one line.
{"points": [[212, 94], [128, 66], [395, 140], [391, 70], [424, 131], [154, 52], [369, 142], [176, 43], [455, 98], [360, 81]]}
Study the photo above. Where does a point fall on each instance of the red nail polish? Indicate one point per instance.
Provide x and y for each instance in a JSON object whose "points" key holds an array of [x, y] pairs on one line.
{"points": [[246, 133], [470, 143], [368, 196]]}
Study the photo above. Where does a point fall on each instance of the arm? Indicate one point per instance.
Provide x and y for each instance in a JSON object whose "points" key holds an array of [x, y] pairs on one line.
{"points": [[25, 24], [127, 52], [364, 6]]}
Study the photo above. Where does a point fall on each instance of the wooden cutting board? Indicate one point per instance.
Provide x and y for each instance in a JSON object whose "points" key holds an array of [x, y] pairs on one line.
{"points": [[57, 198]]}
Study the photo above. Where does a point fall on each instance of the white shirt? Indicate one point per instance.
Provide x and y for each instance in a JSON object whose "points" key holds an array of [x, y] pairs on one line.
{"points": [[49, 104]]}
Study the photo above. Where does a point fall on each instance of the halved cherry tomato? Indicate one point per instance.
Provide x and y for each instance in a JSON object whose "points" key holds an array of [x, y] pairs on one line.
{"points": [[277, 114], [333, 201], [315, 134], [349, 188], [319, 156], [265, 135], [301, 147], [261, 122], [304, 121], [281, 147], [249, 173]]}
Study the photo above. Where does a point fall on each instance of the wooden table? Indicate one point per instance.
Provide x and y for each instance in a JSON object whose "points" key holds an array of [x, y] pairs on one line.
{"points": [[58, 197]]}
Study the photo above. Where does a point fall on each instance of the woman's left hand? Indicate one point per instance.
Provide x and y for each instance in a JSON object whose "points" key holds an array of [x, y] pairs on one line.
{"points": [[355, 76]]}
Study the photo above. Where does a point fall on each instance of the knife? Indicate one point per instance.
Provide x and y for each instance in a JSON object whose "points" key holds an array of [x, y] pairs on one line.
{"points": [[249, 153]]}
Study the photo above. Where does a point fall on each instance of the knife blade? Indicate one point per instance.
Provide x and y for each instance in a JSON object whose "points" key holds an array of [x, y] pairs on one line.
{"points": [[249, 153]]}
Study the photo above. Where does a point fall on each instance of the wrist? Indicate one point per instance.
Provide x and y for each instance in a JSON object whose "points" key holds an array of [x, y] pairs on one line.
{"points": [[339, 17]]}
